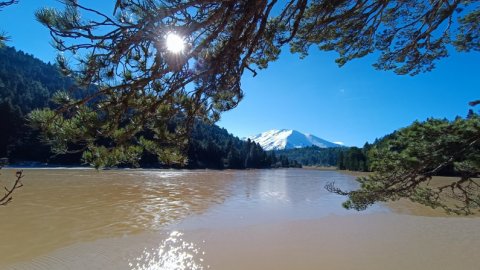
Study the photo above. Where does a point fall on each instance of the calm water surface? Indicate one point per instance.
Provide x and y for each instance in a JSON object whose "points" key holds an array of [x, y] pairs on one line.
{"points": [[259, 219]]}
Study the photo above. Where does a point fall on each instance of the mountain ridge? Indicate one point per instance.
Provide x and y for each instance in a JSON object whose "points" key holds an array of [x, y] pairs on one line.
{"points": [[27, 83], [281, 139]]}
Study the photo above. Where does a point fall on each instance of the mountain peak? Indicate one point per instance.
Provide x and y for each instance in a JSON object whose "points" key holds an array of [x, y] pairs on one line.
{"points": [[279, 139]]}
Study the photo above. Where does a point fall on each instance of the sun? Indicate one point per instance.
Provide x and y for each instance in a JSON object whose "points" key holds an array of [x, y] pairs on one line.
{"points": [[175, 43]]}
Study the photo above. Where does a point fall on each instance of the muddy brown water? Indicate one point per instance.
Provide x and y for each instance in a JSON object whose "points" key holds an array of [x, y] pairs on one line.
{"points": [[259, 219]]}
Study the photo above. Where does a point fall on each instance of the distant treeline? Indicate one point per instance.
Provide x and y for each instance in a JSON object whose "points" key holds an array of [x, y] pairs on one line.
{"points": [[26, 83], [313, 155], [366, 158], [344, 158], [213, 147]]}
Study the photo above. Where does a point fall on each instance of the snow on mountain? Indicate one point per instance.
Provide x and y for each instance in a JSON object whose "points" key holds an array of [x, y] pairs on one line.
{"points": [[287, 139]]}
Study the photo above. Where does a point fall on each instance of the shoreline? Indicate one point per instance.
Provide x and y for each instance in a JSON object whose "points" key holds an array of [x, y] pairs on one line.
{"points": [[331, 168], [80, 167]]}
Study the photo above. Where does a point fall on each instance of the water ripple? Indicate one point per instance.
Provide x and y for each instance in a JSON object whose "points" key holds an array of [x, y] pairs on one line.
{"points": [[173, 254]]}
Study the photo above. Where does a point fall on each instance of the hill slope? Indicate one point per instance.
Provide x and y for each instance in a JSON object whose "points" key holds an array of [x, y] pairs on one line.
{"points": [[27, 83]]}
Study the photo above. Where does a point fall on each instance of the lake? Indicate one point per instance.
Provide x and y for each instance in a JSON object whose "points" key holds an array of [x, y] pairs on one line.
{"points": [[202, 219]]}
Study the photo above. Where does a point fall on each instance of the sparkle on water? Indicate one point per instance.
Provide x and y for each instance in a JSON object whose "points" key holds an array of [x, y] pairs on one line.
{"points": [[173, 254], [175, 43]]}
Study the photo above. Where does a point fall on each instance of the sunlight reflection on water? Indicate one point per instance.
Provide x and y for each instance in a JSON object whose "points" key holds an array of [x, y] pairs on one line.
{"points": [[233, 220], [173, 254]]}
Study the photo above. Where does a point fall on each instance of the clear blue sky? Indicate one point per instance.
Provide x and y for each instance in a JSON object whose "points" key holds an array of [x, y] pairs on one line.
{"points": [[352, 104]]}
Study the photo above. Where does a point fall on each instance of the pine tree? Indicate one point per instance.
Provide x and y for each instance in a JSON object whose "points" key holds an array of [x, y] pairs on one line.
{"points": [[341, 161], [10, 123], [405, 162], [142, 83], [4, 4]]}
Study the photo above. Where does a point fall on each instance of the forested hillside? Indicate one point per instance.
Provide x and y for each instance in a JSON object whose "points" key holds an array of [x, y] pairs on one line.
{"points": [[313, 155], [371, 157], [213, 147], [344, 158], [27, 83]]}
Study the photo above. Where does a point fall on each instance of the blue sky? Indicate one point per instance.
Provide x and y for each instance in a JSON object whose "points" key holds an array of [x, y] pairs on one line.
{"points": [[352, 104]]}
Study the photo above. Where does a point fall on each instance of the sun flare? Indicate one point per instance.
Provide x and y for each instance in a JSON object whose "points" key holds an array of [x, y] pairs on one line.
{"points": [[175, 43]]}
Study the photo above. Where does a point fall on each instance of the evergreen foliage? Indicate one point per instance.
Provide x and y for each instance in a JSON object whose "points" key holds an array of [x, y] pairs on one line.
{"points": [[313, 155], [142, 84], [213, 147], [405, 162], [344, 158], [3, 4], [147, 99], [353, 159], [27, 83]]}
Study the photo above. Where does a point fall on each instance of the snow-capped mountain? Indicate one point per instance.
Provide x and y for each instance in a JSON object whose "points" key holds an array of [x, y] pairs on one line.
{"points": [[287, 139]]}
